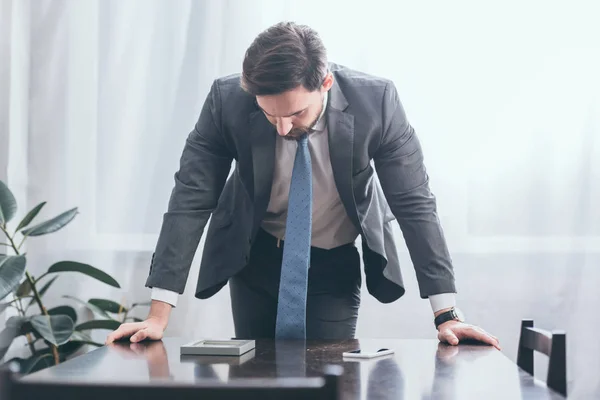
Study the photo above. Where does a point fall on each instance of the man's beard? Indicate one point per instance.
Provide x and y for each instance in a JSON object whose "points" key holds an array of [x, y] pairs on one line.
{"points": [[298, 132]]}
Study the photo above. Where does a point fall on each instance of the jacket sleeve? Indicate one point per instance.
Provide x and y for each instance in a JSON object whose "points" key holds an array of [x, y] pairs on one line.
{"points": [[204, 166], [405, 183]]}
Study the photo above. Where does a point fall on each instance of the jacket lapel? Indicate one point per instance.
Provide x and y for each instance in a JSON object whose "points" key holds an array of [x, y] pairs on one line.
{"points": [[262, 136], [340, 125]]}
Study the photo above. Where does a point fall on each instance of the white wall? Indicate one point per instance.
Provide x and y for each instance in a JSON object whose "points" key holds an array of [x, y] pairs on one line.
{"points": [[503, 95], [4, 86]]}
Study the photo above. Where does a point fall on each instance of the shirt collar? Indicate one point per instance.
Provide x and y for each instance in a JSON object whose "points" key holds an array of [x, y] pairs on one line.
{"points": [[322, 120]]}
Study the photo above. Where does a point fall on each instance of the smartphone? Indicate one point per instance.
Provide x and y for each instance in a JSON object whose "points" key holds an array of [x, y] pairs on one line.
{"points": [[363, 353]]}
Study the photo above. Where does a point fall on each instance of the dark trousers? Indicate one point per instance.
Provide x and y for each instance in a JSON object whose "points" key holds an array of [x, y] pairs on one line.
{"points": [[333, 298]]}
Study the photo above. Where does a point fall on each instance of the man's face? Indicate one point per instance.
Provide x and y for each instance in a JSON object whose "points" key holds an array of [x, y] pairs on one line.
{"points": [[296, 111]]}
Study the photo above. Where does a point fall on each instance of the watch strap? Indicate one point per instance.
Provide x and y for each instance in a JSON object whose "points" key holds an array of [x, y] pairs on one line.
{"points": [[446, 316]]}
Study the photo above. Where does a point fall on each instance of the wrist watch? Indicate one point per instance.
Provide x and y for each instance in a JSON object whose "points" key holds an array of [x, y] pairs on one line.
{"points": [[453, 314]]}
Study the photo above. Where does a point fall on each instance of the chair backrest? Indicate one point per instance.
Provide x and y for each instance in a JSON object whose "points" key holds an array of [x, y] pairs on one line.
{"points": [[553, 345], [326, 387]]}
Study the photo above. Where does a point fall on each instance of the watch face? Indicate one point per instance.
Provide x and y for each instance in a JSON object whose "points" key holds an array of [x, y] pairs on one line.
{"points": [[459, 315]]}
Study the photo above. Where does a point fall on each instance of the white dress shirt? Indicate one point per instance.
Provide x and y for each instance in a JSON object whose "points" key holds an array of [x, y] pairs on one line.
{"points": [[331, 226]]}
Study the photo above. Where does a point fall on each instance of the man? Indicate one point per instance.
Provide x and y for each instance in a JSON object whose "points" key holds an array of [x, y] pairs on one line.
{"points": [[305, 135]]}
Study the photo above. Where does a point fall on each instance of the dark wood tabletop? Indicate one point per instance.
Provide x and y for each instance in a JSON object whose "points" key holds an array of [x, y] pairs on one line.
{"points": [[418, 369]]}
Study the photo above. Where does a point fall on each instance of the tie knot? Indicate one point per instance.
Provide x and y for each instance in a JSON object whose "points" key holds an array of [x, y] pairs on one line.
{"points": [[303, 140]]}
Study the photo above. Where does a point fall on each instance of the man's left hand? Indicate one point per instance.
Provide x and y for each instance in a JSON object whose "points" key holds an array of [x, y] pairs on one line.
{"points": [[453, 332]]}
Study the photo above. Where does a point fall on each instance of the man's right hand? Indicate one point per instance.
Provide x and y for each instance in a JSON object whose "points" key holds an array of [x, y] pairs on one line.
{"points": [[150, 329]]}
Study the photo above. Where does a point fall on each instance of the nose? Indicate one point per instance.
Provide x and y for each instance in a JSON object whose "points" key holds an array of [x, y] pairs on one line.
{"points": [[284, 126]]}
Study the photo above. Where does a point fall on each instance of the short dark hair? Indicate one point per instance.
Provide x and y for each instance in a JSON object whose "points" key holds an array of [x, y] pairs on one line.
{"points": [[283, 57]]}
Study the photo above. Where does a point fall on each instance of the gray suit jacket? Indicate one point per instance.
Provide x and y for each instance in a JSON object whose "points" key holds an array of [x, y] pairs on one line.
{"points": [[367, 127]]}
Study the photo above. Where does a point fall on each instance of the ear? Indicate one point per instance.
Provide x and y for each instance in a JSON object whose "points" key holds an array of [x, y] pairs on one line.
{"points": [[327, 82]]}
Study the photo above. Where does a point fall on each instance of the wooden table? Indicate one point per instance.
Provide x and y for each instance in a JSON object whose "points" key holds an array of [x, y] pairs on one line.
{"points": [[419, 369]]}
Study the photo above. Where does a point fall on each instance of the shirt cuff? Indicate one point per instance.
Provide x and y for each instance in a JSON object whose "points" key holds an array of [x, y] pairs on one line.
{"points": [[164, 295], [442, 300]]}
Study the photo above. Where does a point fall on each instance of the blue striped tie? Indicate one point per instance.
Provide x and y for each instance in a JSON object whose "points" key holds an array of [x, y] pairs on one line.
{"points": [[291, 306]]}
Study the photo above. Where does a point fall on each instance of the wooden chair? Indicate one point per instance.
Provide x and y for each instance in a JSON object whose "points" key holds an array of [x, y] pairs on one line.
{"points": [[553, 345], [326, 387]]}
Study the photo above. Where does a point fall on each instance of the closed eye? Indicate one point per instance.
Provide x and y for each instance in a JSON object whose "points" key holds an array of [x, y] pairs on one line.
{"points": [[296, 114]]}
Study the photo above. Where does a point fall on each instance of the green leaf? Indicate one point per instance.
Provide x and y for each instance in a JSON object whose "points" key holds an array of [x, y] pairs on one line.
{"points": [[109, 324], [135, 319], [51, 225], [64, 310], [84, 338], [36, 362], [45, 288], [80, 337], [30, 216], [144, 303], [8, 204], [56, 329], [13, 326], [64, 350], [12, 269], [73, 266], [42, 291], [108, 305], [26, 328], [69, 348], [24, 288], [96, 310]]}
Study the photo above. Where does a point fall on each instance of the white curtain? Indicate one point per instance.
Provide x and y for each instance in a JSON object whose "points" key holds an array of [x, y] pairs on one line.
{"points": [[97, 98]]}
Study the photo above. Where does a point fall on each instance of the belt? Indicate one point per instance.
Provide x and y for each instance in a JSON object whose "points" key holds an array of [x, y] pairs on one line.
{"points": [[271, 240]]}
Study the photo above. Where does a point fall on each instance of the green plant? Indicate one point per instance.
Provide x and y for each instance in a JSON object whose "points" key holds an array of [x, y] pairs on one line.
{"points": [[55, 329]]}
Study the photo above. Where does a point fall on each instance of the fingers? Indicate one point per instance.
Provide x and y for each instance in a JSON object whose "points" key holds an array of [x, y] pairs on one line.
{"points": [[447, 336], [497, 345], [476, 333], [123, 331], [136, 331], [140, 335], [485, 337], [460, 332]]}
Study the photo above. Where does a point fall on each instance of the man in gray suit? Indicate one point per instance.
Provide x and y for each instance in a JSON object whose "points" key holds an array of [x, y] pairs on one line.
{"points": [[323, 155]]}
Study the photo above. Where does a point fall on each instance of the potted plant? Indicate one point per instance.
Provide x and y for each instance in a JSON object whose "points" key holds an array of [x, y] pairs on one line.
{"points": [[52, 334]]}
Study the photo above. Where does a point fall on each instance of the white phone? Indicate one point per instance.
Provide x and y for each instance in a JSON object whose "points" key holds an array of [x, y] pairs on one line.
{"points": [[362, 353]]}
